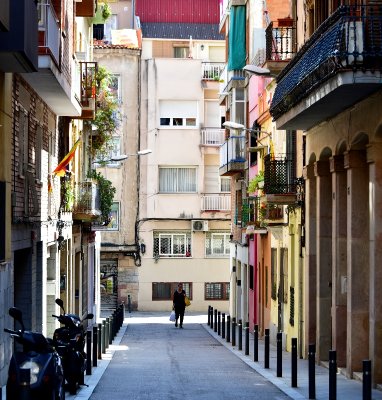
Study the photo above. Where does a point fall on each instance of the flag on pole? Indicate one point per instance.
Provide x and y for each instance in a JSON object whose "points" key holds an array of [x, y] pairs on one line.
{"points": [[61, 167]]}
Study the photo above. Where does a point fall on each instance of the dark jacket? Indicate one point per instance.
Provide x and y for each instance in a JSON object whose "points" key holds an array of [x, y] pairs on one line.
{"points": [[179, 299]]}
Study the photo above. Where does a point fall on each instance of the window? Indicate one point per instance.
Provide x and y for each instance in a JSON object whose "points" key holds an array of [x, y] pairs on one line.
{"points": [[114, 222], [38, 152], [115, 87], [177, 180], [165, 290], [217, 244], [23, 143], [283, 284], [251, 277], [225, 184], [180, 113], [216, 291], [172, 244], [181, 52]]}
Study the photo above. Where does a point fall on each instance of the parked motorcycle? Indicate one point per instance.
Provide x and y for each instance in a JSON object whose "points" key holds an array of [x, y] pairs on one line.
{"points": [[39, 356], [69, 341]]}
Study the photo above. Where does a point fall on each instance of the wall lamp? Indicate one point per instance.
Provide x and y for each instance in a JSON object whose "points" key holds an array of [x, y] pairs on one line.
{"points": [[123, 157]]}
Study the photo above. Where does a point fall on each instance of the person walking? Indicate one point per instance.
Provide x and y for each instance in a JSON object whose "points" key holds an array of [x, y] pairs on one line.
{"points": [[179, 304]]}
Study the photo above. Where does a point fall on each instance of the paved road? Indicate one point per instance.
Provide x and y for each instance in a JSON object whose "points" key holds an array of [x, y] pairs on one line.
{"points": [[157, 361]]}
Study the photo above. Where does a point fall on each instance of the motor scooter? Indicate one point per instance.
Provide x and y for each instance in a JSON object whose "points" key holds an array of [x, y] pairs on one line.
{"points": [[69, 341], [46, 379]]}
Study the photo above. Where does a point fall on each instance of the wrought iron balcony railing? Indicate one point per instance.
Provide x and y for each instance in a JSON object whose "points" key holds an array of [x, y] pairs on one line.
{"points": [[279, 175], [86, 202], [349, 40], [88, 71], [280, 40], [259, 213]]}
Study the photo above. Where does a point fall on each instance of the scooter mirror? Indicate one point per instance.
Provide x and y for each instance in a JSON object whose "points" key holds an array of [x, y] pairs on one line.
{"points": [[16, 314], [60, 303], [90, 316]]}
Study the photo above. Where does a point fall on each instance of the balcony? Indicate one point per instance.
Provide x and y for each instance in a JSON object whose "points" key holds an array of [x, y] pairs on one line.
{"points": [[235, 79], [212, 136], [281, 45], [232, 156], [337, 67], [257, 215], [211, 71], [86, 203], [54, 81], [279, 180], [216, 202], [18, 40], [88, 72], [86, 8]]}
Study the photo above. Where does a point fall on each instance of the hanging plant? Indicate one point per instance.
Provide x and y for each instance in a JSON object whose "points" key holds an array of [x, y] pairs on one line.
{"points": [[106, 194], [106, 11]]}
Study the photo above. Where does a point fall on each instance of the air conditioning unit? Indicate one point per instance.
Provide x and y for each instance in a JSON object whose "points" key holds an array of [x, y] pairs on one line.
{"points": [[199, 226]]}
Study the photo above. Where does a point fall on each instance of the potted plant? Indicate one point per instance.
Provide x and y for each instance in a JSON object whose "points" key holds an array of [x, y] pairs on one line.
{"points": [[106, 194], [256, 183]]}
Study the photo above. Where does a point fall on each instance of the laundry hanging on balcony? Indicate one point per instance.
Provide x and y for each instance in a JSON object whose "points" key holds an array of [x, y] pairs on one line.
{"points": [[60, 170], [236, 44]]}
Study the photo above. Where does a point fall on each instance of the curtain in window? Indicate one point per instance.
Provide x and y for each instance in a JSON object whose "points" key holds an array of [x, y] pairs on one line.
{"points": [[173, 180], [236, 44]]}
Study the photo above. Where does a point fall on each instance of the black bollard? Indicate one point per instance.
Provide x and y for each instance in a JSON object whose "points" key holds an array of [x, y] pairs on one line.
{"points": [[366, 381], [111, 337], [246, 329], [228, 337], [208, 315], [266, 348], [212, 318], [129, 307], [107, 330], [219, 323], [294, 362], [95, 345], [233, 331], [25, 380], [279, 348], [240, 326], [332, 375], [256, 343], [215, 320], [99, 346], [223, 325], [103, 335], [88, 352], [312, 372]]}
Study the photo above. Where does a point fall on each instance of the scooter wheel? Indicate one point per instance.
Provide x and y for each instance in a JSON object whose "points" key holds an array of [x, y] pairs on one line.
{"points": [[72, 385]]}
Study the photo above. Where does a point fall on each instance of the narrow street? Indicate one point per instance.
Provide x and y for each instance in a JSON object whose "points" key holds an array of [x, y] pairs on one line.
{"points": [[157, 361]]}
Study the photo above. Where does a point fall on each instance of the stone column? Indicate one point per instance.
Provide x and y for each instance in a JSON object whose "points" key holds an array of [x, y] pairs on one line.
{"points": [[339, 262], [357, 260], [310, 257], [374, 158], [324, 259]]}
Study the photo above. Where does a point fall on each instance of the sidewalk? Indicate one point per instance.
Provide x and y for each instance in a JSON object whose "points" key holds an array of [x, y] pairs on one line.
{"points": [[346, 389]]}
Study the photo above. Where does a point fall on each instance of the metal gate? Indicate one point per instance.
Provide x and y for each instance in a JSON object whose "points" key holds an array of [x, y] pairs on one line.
{"points": [[109, 285]]}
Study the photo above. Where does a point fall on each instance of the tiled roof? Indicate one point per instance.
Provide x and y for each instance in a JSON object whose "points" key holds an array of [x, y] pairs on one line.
{"points": [[159, 30]]}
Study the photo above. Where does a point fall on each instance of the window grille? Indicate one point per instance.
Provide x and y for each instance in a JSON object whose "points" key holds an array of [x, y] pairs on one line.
{"points": [[165, 290], [217, 291], [172, 244], [217, 244], [291, 306]]}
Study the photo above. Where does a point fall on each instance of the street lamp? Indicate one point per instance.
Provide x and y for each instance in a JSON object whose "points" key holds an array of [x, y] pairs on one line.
{"points": [[123, 157], [259, 71]]}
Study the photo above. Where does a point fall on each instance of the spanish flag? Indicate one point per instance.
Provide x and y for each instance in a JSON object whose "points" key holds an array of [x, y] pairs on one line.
{"points": [[60, 169]]}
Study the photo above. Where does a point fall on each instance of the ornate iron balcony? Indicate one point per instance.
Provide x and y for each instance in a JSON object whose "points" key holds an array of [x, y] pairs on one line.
{"points": [[349, 41]]}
